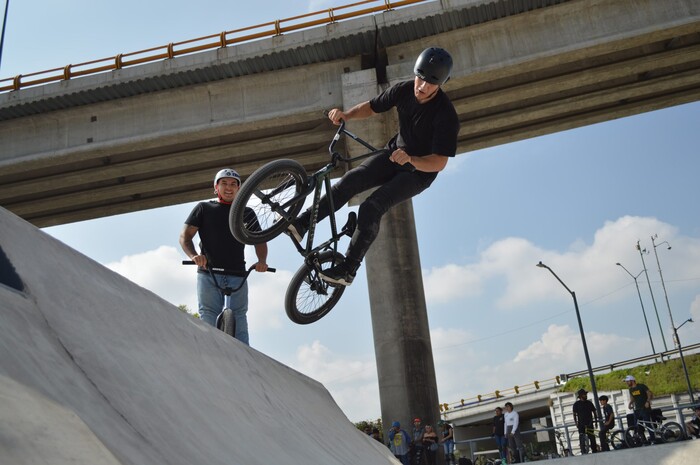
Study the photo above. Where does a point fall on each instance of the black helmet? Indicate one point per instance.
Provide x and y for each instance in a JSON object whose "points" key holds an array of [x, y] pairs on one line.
{"points": [[433, 66], [582, 392]]}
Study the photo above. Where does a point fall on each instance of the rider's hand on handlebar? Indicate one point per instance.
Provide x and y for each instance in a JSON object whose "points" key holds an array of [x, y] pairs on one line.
{"points": [[336, 116], [261, 267], [400, 157], [200, 261]]}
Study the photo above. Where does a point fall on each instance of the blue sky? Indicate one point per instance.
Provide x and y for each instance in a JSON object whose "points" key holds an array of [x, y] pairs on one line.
{"points": [[577, 200]]}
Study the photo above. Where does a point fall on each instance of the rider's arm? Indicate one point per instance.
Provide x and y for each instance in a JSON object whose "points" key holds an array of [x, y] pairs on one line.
{"points": [[186, 236], [650, 396], [429, 163], [359, 111], [261, 252]]}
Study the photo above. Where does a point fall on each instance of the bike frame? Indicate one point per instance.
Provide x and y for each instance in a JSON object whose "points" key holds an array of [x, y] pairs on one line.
{"points": [[319, 182]]}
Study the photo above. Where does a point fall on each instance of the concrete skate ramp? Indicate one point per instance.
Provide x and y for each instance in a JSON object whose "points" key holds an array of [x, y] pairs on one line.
{"points": [[98, 370]]}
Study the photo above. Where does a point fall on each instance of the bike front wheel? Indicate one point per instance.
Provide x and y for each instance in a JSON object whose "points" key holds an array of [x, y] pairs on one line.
{"points": [[633, 438], [226, 322], [309, 298], [272, 195], [617, 440], [671, 432]]}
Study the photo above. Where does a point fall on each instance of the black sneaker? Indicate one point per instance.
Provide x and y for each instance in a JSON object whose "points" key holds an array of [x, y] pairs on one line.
{"points": [[341, 273], [296, 230]]}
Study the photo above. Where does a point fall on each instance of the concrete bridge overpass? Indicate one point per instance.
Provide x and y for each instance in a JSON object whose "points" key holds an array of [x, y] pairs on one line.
{"points": [[151, 135]]}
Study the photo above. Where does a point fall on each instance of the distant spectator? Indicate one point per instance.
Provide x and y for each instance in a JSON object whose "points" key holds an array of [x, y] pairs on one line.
{"points": [[448, 443], [417, 444], [430, 444], [512, 430], [375, 434], [640, 403], [498, 432], [584, 413], [693, 426], [399, 443], [608, 422]]}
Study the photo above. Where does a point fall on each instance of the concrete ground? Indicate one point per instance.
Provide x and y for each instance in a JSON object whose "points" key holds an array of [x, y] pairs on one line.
{"points": [[97, 370], [679, 453]]}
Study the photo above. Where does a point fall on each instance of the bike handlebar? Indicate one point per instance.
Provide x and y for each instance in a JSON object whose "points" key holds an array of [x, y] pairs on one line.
{"points": [[233, 272], [374, 151]]}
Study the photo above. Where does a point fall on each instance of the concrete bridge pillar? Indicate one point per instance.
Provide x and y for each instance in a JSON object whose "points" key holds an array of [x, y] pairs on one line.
{"points": [[407, 385]]}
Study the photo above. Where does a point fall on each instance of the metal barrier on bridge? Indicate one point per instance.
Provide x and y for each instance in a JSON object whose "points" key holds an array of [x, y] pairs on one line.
{"points": [[219, 40]]}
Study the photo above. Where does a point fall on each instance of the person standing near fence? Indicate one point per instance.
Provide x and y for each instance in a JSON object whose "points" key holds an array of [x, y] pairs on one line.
{"points": [[512, 430], [498, 432], [640, 403], [608, 422], [584, 414], [448, 442]]}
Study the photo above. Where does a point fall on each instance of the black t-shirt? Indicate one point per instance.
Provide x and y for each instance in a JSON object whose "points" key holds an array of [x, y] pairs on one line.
{"points": [[424, 128], [608, 413], [499, 423], [584, 409], [216, 242]]}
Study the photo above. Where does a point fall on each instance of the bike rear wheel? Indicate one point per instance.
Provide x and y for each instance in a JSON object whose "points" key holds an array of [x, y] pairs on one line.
{"points": [[227, 323], [671, 432], [269, 194], [617, 440], [309, 298]]}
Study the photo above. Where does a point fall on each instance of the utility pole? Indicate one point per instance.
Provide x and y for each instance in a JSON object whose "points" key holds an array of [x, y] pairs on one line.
{"points": [[653, 301]]}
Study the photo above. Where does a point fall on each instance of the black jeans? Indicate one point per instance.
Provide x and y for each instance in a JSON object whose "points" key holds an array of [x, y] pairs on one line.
{"points": [[394, 185]]}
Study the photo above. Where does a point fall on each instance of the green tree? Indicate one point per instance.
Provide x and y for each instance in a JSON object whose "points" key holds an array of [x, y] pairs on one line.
{"points": [[370, 425], [183, 308]]}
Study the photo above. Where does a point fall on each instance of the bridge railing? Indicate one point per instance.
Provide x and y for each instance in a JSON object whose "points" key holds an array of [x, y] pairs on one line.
{"points": [[558, 380], [219, 40]]}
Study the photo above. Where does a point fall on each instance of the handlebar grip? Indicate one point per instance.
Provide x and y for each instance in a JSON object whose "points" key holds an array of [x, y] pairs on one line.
{"points": [[190, 262]]}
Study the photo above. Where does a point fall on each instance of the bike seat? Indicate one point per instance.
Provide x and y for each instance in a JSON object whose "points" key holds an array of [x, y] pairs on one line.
{"points": [[350, 225]]}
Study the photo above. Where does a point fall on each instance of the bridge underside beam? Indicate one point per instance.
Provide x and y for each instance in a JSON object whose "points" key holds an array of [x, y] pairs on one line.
{"points": [[534, 73]]}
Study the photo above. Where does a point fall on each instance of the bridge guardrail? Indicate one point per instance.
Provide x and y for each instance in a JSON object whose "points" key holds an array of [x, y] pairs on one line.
{"points": [[219, 40]]}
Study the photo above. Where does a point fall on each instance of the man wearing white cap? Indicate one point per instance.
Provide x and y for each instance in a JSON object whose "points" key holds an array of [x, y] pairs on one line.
{"points": [[641, 401]]}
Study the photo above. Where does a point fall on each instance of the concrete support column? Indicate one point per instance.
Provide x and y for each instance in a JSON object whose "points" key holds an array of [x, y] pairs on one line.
{"points": [[407, 386]]}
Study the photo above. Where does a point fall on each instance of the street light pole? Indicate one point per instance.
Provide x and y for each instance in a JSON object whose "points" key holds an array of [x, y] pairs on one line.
{"points": [[680, 353], [676, 340], [646, 322], [583, 340], [653, 301], [4, 22]]}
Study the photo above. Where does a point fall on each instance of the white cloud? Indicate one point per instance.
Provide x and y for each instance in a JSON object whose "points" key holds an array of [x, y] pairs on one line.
{"points": [[161, 272], [352, 382], [585, 268]]}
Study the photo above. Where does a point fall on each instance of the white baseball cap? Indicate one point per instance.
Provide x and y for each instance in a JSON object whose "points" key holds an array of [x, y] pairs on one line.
{"points": [[630, 378]]}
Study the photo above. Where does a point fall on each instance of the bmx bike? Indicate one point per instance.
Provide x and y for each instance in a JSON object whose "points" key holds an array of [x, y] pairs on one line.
{"points": [[661, 432], [276, 193], [615, 439], [225, 320]]}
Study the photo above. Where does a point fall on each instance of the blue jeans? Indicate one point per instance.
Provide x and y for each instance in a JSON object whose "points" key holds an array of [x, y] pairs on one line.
{"points": [[501, 443], [211, 301]]}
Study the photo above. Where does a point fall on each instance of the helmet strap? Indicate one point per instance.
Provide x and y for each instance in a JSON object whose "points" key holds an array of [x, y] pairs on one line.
{"points": [[221, 200]]}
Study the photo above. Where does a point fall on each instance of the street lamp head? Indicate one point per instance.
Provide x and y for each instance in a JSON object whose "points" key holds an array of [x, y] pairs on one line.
{"points": [[541, 265], [618, 264]]}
